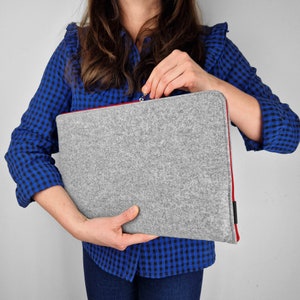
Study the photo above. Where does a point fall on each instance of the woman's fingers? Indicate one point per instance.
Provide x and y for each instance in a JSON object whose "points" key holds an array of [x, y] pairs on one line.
{"points": [[167, 82], [176, 71], [108, 231], [161, 75], [126, 216], [136, 238], [126, 238]]}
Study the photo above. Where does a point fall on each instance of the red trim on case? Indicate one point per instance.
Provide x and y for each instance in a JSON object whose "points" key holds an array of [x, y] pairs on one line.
{"points": [[97, 107], [231, 171]]}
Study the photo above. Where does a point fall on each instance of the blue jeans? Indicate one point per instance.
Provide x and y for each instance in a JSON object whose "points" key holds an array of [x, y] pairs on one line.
{"points": [[101, 285]]}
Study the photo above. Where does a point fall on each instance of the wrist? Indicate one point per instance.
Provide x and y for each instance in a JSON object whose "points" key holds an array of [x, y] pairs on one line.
{"points": [[214, 83], [56, 201], [78, 228], [209, 83]]}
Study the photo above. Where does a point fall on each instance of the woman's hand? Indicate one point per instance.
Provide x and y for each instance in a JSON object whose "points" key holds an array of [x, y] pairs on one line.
{"points": [[108, 231], [100, 231], [177, 71]]}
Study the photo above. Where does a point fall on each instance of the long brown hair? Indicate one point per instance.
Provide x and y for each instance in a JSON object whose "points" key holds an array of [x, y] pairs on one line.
{"points": [[105, 50]]}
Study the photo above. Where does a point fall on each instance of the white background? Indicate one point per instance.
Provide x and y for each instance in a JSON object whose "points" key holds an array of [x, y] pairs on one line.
{"points": [[39, 260]]}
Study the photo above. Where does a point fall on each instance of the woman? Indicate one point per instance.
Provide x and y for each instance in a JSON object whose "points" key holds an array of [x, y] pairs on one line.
{"points": [[125, 49]]}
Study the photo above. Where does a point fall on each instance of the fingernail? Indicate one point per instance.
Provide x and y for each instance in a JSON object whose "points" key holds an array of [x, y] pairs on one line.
{"points": [[134, 209], [145, 90]]}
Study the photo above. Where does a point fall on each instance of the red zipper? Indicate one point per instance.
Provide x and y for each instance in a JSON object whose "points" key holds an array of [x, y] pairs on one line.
{"points": [[232, 179]]}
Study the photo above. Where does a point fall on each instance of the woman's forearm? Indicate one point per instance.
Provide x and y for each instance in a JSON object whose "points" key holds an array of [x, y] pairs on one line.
{"points": [[244, 109], [57, 202]]}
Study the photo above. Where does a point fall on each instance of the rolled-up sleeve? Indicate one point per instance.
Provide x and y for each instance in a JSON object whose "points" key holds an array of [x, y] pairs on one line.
{"points": [[280, 125], [35, 140]]}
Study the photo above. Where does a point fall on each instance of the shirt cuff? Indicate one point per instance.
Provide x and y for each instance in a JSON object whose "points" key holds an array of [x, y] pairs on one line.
{"points": [[278, 132], [38, 178]]}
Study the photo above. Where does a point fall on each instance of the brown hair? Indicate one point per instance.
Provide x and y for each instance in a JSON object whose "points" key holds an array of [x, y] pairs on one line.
{"points": [[105, 51]]}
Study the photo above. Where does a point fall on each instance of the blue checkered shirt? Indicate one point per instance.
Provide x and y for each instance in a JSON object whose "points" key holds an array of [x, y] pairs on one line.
{"points": [[32, 167]]}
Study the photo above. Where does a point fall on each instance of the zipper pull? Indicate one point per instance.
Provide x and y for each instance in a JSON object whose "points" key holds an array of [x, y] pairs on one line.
{"points": [[142, 98]]}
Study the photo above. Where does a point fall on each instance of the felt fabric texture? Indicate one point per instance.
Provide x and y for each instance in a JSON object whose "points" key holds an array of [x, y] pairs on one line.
{"points": [[169, 156]]}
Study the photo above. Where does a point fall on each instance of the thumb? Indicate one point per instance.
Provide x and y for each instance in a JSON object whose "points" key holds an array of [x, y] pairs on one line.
{"points": [[128, 215]]}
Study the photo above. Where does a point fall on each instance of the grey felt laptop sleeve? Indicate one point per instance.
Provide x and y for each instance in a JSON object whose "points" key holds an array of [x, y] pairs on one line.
{"points": [[170, 156]]}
